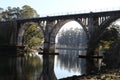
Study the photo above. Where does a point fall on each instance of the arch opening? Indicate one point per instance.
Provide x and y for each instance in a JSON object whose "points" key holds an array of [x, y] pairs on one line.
{"points": [[71, 41], [31, 36], [71, 34]]}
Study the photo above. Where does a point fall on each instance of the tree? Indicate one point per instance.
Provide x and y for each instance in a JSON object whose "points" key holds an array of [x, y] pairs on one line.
{"points": [[1, 10], [72, 37], [11, 14], [28, 12], [109, 35], [17, 13], [33, 36], [112, 55]]}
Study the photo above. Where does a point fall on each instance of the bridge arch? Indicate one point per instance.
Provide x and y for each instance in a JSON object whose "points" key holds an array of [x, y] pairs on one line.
{"points": [[61, 23], [96, 38], [107, 22], [21, 31]]}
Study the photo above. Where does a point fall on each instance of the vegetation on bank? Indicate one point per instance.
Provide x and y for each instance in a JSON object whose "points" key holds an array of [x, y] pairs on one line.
{"points": [[33, 37], [109, 44], [108, 75]]}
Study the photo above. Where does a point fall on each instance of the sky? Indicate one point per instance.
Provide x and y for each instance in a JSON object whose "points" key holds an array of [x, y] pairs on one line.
{"points": [[60, 7]]}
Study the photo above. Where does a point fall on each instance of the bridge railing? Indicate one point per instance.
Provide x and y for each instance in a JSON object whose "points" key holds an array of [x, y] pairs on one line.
{"points": [[81, 11]]}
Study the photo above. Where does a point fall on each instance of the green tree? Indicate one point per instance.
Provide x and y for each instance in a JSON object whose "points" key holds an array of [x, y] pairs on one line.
{"points": [[112, 54], [17, 13], [109, 35], [33, 36], [28, 12], [72, 37], [1, 10], [11, 14]]}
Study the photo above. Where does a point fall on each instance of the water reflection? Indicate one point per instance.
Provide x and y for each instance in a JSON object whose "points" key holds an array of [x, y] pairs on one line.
{"points": [[39, 67], [48, 68], [20, 68], [68, 62]]}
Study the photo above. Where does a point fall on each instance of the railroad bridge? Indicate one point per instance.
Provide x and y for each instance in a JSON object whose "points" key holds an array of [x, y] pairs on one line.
{"points": [[93, 23]]}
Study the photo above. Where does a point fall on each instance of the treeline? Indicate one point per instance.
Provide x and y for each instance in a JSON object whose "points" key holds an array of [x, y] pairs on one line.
{"points": [[112, 54], [17, 13], [74, 37]]}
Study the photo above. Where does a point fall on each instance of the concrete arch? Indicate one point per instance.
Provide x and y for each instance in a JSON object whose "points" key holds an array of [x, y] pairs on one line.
{"points": [[60, 24], [107, 22]]}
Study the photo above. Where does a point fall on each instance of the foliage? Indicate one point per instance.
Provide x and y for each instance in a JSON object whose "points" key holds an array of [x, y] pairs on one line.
{"points": [[33, 36], [1, 9], [17, 13], [28, 12], [110, 43], [72, 37], [109, 35], [112, 56]]}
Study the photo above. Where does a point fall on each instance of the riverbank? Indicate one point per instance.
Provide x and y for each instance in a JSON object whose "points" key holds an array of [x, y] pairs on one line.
{"points": [[113, 74]]}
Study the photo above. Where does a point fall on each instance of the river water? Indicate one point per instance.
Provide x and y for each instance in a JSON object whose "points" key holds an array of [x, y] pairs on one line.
{"points": [[66, 64]]}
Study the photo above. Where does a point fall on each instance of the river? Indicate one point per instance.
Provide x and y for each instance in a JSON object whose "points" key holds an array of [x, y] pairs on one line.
{"points": [[29, 67]]}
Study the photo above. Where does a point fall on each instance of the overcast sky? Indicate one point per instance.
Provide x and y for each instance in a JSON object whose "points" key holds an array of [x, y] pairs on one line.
{"points": [[51, 7]]}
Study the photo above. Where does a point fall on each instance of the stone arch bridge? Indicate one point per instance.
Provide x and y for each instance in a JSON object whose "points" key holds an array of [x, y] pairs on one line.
{"points": [[93, 23]]}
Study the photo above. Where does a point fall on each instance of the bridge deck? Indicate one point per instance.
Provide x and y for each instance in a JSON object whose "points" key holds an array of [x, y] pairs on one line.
{"points": [[69, 16]]}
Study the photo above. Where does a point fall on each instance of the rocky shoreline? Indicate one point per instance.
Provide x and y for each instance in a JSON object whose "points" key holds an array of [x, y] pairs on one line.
{"points": [[109, 75]]}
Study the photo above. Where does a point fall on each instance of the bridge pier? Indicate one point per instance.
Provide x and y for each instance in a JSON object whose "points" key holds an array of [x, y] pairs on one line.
{"points": [[48, 68], [48, 57], [90, 66], [93, 23], [48, 63], [48, 60]]}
